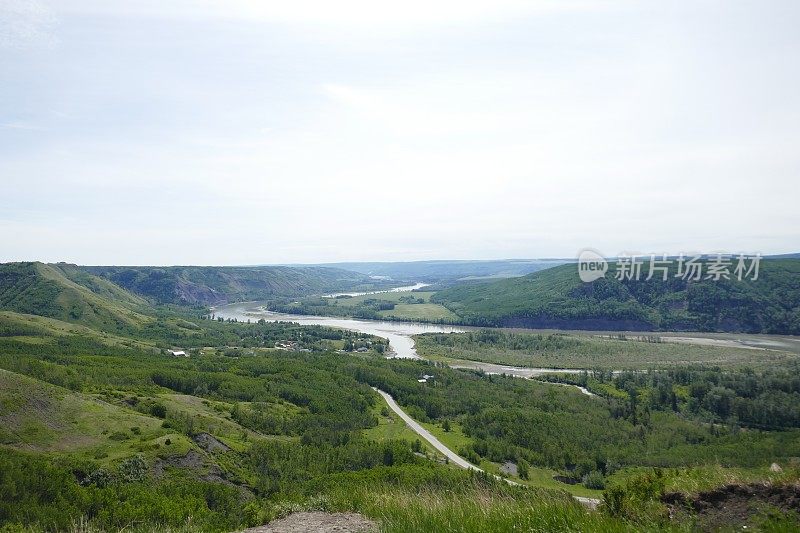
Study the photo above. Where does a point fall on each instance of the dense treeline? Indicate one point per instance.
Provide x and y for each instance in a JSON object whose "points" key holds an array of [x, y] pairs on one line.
{"points": [[286, 466], [768, 399], [509, 341], [169, 329], [369, 308], [507, 418], [512, 419], [557, 298], [331, 404]]}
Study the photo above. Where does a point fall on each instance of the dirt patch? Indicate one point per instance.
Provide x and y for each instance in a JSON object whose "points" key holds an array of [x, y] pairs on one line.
{"points": [[508, 469], [192, 460], [318, 522], [209, 443], [735, 506]]}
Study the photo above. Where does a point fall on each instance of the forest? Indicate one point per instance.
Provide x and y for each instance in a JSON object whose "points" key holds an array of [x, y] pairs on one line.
{"points": [[556, 298], [102, 429]]}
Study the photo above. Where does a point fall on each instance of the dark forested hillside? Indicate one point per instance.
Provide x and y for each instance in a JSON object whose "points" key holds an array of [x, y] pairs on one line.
{"points": [[557, 298], [216, 285]]}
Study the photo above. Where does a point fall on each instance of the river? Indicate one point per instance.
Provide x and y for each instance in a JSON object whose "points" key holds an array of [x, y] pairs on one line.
{"points": [[399, 334], [402, 345]]}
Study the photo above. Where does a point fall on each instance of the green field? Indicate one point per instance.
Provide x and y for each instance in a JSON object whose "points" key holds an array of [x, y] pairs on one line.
{"points": [[588, 351], [421, 312]]}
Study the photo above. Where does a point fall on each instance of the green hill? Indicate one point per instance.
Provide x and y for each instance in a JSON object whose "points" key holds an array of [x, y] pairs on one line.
{"points": [[38, 416], [67, 293], [120, 299], [556, 298], [217, 285]]}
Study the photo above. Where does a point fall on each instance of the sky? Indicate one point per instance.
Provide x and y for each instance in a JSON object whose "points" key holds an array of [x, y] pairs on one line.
{"points": [[254, 132]]}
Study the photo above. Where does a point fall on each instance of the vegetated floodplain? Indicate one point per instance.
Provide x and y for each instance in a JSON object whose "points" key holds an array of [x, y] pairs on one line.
{"points": [[591, 351], [103, 429], [404, 305]]}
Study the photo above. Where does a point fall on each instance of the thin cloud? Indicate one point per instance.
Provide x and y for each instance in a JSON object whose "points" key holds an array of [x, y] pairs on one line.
{"points": [[26, 24]]}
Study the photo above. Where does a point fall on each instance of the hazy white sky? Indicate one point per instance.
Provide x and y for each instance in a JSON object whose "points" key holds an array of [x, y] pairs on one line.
{"points": [[245, 132]]}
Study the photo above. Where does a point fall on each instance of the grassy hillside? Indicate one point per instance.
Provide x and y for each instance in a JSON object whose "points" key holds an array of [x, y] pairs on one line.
{"points": [[48, 302], [216, 285], [44, 333], [64, 292], [38, 416], [556, 298]]}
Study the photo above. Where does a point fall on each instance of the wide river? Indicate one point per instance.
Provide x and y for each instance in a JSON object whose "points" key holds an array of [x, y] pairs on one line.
{"points": [[399, 334]]}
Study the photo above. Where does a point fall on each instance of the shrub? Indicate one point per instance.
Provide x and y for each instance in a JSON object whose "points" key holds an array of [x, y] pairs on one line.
{"points": [[133, 470], [594, 480]]}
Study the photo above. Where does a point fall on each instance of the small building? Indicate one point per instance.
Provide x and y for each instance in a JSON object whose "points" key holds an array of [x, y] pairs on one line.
{"points": [[286, 345], [422, 380], [178, 353]]}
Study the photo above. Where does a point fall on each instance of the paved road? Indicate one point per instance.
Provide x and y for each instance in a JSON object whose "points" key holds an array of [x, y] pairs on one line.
{"points": [[591, 503], [425, 434]]}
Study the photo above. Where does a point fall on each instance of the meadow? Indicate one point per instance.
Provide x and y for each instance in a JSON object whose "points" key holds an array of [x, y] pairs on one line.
{"points": [[591, 351]]}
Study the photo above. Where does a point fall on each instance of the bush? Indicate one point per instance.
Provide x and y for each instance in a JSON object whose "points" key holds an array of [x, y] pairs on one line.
{"points": [[133, 470], [638, 498], [99, 478], [523, 469], [594, 480]]}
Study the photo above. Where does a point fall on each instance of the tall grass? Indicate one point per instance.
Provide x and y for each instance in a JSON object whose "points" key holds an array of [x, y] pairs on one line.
{"points": [[479, 509]]}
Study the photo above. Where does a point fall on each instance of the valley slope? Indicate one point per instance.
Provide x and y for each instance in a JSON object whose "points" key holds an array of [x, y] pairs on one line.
{"points": [[557, 298]]}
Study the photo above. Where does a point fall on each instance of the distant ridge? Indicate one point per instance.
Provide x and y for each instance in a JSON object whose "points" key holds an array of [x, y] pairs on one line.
{"points": [[205, 285], [557, 298], [449, 270]]}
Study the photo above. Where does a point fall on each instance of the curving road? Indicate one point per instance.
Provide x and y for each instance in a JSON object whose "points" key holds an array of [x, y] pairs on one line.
{"points": [[427, 435], [591, 503]]}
